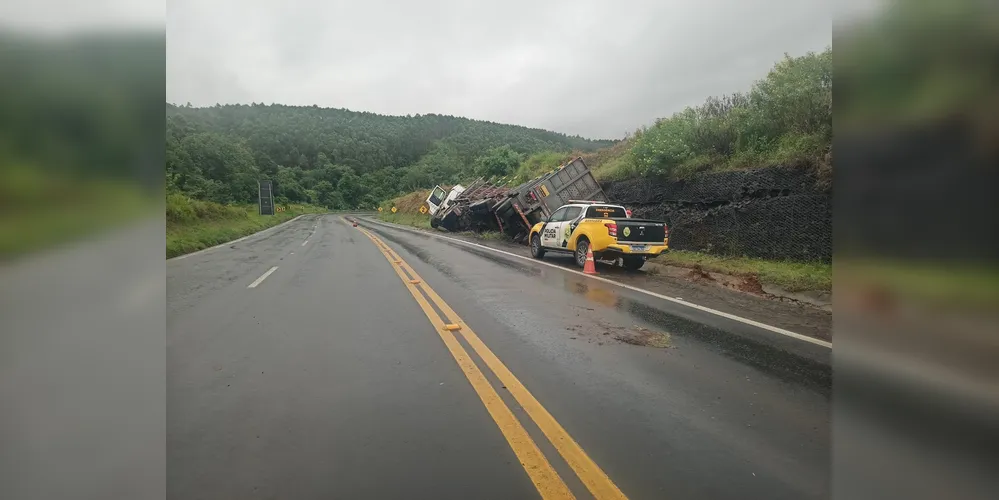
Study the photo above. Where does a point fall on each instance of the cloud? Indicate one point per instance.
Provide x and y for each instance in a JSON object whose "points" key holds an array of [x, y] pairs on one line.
{"points": [[588, 67], [66, 16]]}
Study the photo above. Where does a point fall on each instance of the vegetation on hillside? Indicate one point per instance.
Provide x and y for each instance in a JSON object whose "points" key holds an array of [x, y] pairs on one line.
{"points": [[344, 159], [192, 225], [893, 73], [785, 118], [78, 135], [335, 157]]}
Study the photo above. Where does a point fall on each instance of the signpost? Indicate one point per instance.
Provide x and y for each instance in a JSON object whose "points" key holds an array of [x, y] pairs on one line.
{"points": [[265, 197]]}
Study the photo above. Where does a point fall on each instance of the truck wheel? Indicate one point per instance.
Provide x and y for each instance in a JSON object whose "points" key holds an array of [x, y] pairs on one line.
{"points": [[633, 263], [536, 251], [434, 222], [582, 247]]}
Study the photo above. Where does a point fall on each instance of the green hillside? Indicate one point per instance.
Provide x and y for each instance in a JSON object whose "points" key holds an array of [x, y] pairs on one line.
{"points": [[336, 157], [784, 118]]}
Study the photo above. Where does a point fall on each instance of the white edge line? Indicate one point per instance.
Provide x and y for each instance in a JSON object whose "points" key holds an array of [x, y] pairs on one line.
{"points": [[733, 317], [304, 242], [220, 245], [262, 277]]}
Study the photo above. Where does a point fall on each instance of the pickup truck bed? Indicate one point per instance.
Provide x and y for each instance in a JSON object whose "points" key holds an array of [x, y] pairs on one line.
{"points": [[640, 230]]}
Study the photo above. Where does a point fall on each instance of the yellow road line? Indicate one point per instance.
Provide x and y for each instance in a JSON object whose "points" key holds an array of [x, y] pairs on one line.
{"points": [[591, 475], [542, 474], [599, 484]]}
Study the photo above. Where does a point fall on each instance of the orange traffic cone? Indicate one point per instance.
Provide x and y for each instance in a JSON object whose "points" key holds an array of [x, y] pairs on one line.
{"points": [[589, 267]]}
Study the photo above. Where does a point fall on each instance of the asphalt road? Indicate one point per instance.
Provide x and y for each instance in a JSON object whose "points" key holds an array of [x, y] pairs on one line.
{"points": [[306, 363]]}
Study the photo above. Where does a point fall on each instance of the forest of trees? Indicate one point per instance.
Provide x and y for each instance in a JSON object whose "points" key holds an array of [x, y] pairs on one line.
{"points": [[338, 158]]}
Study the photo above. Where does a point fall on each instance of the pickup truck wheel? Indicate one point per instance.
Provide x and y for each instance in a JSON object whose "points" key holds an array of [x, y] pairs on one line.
{"points": [[582, 247], [536, 251], [633, 263], [434, 222]]}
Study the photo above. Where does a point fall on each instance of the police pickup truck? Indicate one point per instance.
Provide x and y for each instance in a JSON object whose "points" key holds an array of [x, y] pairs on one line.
{"points": [[608, 230]]}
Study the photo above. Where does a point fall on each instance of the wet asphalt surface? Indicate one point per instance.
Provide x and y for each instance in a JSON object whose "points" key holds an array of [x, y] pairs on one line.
{"points": [[327, 380]]}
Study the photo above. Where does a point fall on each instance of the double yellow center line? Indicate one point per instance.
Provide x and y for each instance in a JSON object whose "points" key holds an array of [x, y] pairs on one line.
{"points": [[544, 477]]}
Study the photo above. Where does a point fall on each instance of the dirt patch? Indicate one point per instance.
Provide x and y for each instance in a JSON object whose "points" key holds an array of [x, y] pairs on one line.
{"points": [[751, 284], [634, 335], [637, 335], [697, 273]]}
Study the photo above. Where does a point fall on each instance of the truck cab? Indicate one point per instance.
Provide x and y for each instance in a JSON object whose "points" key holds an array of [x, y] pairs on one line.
{"points": [[439, 200], [606, 229]]}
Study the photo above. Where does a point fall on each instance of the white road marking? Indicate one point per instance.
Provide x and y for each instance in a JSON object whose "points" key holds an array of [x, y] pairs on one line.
{"points": [[304, 242], [263, 277], [733, 317]]}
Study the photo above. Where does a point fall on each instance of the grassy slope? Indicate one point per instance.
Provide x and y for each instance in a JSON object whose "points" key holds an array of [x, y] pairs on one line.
{"points": [[40, 210], [194, 225], [790, 276], [407, 209], [611, 163]]}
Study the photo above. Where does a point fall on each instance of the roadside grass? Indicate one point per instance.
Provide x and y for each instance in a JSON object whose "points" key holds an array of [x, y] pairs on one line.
{"points": [[194, 225], [407, 219], [40, 210], [490, 236], [788, 275]]}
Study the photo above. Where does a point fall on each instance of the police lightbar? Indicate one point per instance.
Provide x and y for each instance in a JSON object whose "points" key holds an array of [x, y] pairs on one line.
{"points": [[586, 201]]}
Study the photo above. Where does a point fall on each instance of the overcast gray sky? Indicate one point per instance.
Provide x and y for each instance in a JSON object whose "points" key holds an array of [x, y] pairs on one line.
{"points": [[598, 68]]}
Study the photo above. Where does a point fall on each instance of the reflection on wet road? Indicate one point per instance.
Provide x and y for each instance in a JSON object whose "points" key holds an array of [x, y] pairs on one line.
{"points": [[328, 376], [602, 331]]}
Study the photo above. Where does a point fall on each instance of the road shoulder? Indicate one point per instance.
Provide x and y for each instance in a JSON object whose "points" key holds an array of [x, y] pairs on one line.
{"points": [[794, 316]]}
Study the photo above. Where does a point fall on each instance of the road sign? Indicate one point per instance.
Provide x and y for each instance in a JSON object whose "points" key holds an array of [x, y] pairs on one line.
{"points": [[265, 198], [423, 209], [393, 210], [379, 209]]}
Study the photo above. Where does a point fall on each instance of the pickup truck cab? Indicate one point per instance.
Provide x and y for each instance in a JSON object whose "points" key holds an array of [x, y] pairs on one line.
{"points": [[604, 228]]}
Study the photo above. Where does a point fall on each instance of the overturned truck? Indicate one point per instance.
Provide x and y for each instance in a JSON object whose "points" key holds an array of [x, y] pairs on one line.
{"points": [[484, 206]]}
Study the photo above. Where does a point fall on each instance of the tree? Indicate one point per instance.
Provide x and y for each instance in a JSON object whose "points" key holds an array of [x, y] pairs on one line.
{"points": [[287, 184], [328, 197], [215, 168], [349, 188], [498, 162]]}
